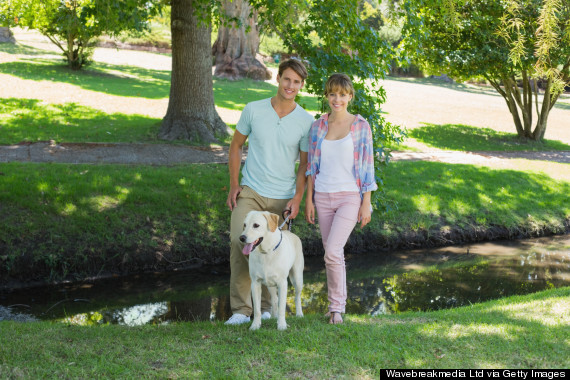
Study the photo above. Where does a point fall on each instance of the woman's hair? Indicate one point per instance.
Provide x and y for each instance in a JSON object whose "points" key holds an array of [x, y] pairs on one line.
{"points": [[339, 82], [294, 64]]}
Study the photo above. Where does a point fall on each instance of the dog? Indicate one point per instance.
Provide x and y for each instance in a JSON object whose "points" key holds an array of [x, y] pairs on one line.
{"points": [[273, 254]]}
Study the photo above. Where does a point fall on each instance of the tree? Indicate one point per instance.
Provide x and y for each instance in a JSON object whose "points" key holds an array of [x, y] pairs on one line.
{"points": [[73, 25], [236, 47], [6, 35], [191, 114], [514, 45]]}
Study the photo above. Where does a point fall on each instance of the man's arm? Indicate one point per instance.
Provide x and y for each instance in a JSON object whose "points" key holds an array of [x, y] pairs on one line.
{"points": [[295, 203], [234, 164]]}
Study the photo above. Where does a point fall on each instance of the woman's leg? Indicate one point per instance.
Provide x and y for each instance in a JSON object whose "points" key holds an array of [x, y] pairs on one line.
{"points": [[337, 213]]}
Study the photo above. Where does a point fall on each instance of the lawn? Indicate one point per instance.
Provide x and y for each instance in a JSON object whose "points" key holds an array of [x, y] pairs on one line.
{"points": [[516, 332]]}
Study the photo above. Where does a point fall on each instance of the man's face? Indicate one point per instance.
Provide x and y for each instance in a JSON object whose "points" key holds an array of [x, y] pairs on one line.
{"points": [[289, 84]]}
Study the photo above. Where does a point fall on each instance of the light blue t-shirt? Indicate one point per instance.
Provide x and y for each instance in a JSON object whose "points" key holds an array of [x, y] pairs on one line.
{"points": [[274, 145]]}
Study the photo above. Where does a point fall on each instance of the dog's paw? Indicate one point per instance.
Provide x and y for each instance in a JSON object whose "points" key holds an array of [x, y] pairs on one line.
{"points": [[299, 313], [255, 326], [281, 326]]}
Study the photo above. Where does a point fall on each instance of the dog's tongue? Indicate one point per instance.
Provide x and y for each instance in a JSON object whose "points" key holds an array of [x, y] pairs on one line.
{"points": [[247, 249]]}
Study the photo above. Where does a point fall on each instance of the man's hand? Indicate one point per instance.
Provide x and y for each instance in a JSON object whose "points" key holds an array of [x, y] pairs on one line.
{"points": [[293, 205], [232, 197]]}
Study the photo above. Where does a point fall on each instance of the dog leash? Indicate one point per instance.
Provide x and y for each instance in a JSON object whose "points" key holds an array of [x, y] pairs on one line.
{"points": [[286, 220]]}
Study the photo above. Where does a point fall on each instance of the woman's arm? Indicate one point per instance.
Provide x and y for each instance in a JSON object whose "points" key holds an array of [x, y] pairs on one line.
{"points": [[309, 206], [365, 213]]}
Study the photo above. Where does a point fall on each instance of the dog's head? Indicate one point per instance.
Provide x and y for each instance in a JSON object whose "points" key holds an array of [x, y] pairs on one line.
{"points": [[255, 227]]}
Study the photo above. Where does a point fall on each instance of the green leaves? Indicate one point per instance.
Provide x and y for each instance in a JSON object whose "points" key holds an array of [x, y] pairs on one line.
{"points": [[510, 43], [73, 25]]}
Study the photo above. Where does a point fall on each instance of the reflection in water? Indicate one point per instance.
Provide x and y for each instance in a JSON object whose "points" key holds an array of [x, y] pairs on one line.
{"points": [[451, 280]]}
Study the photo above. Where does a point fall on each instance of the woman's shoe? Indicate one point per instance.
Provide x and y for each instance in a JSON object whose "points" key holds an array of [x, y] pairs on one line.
{"points": [[335, 318]]}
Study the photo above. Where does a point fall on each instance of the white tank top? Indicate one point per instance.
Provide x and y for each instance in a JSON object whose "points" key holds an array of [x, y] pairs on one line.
{"points": [[336, 171]]}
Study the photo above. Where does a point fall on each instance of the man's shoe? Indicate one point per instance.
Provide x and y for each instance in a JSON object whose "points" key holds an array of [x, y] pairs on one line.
{"points": [[265, 315], [237, 319]]}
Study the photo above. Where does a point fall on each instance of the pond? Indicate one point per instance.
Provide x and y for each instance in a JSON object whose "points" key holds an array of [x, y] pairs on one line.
{"points": [[378, 283]]}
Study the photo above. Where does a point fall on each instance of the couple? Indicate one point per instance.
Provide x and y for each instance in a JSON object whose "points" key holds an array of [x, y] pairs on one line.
{"points": [[336, 163]]}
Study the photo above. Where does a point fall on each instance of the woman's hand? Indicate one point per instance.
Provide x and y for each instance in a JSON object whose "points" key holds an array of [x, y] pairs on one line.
{"points": [[309, 211], [365, 212]]}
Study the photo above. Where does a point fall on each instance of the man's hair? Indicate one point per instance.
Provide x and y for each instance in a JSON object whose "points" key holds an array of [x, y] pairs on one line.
{"points": [[294, 64], [339, 82]]}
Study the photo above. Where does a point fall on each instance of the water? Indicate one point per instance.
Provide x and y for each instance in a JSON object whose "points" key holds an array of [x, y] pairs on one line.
{"points": [[379, 283]]}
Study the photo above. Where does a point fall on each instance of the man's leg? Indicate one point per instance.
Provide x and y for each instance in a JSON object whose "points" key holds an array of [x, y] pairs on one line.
{"points": [[240, 282]]}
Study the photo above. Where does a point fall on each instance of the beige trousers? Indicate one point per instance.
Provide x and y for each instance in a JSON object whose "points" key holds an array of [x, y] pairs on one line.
{"points": [[240, 282]]}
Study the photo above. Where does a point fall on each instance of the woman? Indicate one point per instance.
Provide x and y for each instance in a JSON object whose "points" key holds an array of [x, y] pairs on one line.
{"points": [[341, 178]]}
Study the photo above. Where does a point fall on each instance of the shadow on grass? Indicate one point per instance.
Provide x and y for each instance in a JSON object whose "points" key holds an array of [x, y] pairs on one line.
{"points": [[132, 81], [468, 138], [465, 196], [472, 89], [469, 88], [81, 219], [30, 120], [504, 328], [127, 217], [562, 105], [25, 50], [117, 80]]}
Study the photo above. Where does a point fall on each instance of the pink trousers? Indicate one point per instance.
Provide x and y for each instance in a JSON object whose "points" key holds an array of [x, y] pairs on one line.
{"points": [[337, 214]]}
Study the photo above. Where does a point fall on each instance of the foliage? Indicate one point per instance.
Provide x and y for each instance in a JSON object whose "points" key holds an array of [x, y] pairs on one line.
{"points": [[73, 25], [512, 44], [551, 32], [370, 15], [362, 55]]}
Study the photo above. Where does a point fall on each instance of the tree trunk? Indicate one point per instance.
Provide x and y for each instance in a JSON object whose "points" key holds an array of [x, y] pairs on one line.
{"points": [[6, 35], [191, 114], [235, 48]]}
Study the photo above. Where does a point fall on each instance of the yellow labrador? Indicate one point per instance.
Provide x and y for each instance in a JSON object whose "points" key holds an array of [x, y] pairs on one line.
{"points": [[273, 254]]}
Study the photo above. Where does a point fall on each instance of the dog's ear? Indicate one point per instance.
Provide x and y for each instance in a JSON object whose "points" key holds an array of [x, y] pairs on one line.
{"points": [[272, 221]]}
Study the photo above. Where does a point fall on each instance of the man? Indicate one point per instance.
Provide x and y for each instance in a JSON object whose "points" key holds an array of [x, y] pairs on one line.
{"points": [[277, 129]]}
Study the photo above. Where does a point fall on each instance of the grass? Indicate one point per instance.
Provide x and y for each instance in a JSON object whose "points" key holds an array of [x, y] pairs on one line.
{"points": [[65, 220], [120, 80], [431, 194], [468, 138], [158, 36], [29, 120], [562, 103], [516, 332]]}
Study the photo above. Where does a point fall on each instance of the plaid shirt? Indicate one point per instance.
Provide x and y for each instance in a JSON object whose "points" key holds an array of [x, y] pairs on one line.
{"points": [[363, 151]]}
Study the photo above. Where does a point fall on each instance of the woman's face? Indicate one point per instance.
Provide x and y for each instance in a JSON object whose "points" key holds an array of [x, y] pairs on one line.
{"points": [[338, 100]]}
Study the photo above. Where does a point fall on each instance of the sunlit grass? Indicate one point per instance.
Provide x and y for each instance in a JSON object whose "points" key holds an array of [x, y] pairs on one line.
{"points": [[29, 120], [468, 138], [507, 333], [130, 208]]}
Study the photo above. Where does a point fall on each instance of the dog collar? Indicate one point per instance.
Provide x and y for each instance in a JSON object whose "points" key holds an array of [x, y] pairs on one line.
{"points": [[280, 240]]}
